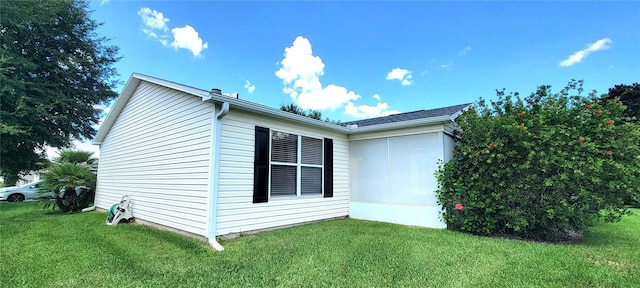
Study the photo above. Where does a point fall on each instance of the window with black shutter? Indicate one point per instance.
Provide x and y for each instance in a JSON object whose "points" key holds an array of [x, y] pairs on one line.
{"points": [[296, 165]]}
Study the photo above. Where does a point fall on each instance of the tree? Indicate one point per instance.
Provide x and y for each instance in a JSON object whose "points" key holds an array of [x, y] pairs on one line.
{"points": [[540, 168], [295, 109], [630, 96], [54, 72], [71, 180], [313, 114]]}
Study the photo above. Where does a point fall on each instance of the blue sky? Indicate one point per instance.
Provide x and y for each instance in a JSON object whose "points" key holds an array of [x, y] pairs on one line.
{"points": [[358, 59]]}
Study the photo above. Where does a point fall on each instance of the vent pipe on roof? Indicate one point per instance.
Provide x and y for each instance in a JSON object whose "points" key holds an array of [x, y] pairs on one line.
{"points": [[216, 91]]}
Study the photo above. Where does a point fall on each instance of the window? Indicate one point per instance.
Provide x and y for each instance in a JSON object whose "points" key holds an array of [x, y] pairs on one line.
{"points": [[296, 165], [291, 165]]}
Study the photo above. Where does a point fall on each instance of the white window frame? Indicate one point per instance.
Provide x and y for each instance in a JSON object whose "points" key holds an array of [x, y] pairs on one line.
{"points": [[298, 165]]}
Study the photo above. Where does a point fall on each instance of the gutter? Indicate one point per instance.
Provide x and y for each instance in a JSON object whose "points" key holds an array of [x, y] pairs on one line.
{"points": [[215, 172]]}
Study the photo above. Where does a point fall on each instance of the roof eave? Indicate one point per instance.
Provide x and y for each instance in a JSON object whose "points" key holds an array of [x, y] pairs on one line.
{"points": [[401, 124], [136, 78], [264, 110]]}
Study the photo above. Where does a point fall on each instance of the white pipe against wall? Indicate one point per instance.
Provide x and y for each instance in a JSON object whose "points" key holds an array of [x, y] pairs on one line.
{"points": [[213, 203]]}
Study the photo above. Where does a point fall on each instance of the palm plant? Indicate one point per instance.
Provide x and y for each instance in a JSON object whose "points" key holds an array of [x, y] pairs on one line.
{"points": [[69, 181]]}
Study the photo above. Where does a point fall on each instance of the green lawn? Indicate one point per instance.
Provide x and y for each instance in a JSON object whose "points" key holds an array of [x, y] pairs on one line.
{"points": [[41, 248]]}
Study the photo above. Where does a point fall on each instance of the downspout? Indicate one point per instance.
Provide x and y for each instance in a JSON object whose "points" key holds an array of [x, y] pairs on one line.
{"points": [[213, 203]]}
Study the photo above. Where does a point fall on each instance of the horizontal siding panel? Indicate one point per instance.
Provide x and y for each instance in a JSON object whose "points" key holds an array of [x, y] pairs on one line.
{"points": [[166, 162], [174, 168], [158, 151], [184, 173], [127, 189], [199, 143], [291, 207], [230, 160], [265, 223]]}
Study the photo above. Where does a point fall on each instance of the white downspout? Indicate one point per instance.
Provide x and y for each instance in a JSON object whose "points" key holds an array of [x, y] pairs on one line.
{"points": [[213, 185]]}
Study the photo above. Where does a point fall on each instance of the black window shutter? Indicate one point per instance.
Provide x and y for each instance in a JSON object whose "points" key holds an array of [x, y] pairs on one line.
{"points": [[261, 166], [328, 167]]}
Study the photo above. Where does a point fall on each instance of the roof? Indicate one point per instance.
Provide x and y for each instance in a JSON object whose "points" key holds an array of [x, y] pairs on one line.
{"points": [[422, 117], [415, 115]]}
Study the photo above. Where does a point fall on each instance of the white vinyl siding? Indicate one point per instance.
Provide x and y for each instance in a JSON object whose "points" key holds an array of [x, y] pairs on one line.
{"points": [[158, 151], [236, 210]]}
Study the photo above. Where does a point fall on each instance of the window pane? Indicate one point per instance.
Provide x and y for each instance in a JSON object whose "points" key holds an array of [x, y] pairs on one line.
{"points": [[284, 147], [311, 182], [311, 151], [283, 180]]}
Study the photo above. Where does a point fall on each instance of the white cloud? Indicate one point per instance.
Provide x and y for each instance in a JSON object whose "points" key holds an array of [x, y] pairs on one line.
{"points": [[153, 19], [464, 51], [447, 65], [366, 111], [104, 2], [155, 26], [300, 72], [250, 87], [403, 75], [188, 38], [576, 57]]}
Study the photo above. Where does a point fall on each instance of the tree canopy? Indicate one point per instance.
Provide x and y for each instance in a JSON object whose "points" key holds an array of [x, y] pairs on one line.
{"points": [[630, 96], [313, 114], [54, 72], [295, 109]]}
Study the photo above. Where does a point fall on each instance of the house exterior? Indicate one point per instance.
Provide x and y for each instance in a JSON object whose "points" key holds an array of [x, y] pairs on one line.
{"points": [[207, 164]]}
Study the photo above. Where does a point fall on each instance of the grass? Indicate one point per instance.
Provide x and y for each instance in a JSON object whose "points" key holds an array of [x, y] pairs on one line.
{"points": [[42, 248]]}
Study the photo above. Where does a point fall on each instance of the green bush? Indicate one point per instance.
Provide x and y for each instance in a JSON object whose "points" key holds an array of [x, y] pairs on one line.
{"points": [[542, 167]]}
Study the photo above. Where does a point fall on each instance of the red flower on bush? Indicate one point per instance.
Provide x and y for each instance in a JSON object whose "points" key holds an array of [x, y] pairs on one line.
{"points": [[520, 114], [587, 106], [491, 146], [520, 127], [598, 111], [530, 102], [580, 139], [609, 123], [608, 153], [459, 206]]}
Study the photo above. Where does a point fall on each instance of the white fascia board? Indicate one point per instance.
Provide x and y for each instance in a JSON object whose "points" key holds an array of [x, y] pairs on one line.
{"points": [[173, 85], [401, 124]]}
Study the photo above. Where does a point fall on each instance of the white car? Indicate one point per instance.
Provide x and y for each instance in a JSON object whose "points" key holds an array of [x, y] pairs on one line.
{"points": [[19, 194]]}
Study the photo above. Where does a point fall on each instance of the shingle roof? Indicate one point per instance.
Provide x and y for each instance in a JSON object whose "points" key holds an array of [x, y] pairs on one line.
{"points": [[420, 114]]}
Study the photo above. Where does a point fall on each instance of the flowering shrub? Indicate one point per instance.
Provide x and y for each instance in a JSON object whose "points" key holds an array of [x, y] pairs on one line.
{"points": [[540, 167]]}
